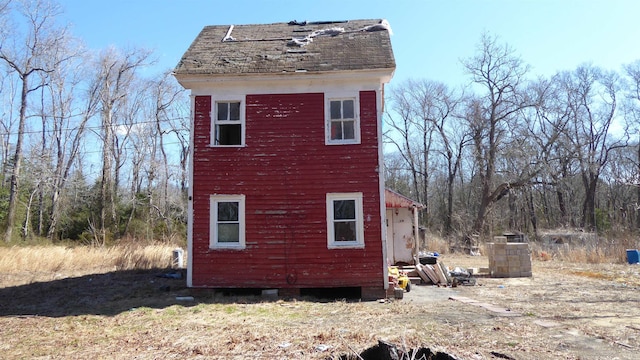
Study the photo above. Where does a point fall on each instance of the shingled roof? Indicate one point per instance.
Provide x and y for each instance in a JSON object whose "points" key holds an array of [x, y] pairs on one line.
{"points": [[289, 48]]}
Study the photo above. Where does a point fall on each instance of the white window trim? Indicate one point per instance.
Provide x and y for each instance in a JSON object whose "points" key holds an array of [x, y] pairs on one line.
{"points": [[214, 120], [213, 217], [359, 243], [327, 117]]}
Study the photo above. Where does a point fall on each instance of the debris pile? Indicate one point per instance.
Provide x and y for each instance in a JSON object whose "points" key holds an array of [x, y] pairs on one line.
{"points": [[388, 351], [431, 270]]}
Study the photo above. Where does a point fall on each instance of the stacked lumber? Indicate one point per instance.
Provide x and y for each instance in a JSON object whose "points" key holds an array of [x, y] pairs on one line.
{"points": [[436, 274]]}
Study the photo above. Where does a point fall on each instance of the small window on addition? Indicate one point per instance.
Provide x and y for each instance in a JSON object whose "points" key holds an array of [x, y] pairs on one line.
{"points": [[343, 122], [228, 124]]}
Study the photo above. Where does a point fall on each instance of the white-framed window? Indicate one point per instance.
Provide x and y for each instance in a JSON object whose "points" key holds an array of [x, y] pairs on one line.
{"points": [[228, 124], [342, 121], [227, 227], [345, 221]]}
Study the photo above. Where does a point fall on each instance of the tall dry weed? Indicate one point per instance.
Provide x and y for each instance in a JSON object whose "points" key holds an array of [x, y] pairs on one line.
{"points": [[605, 252], [437, 244], [82, 259]]}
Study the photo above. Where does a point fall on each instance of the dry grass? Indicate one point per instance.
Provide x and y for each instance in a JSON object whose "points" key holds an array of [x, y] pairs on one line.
{"points": [[589, 254], [42, 263], [605, 251], [134, 314]]}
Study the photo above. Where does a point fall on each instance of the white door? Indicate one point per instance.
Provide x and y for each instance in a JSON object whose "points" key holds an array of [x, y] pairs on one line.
{"points": [[390, 240], [400, 241]]}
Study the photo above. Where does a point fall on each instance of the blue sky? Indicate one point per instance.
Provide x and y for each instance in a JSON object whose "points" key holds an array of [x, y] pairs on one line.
{"points": [[429, 37]]}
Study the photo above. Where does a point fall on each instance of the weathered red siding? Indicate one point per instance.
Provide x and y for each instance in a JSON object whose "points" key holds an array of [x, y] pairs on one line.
{"points": [[285, 171]]}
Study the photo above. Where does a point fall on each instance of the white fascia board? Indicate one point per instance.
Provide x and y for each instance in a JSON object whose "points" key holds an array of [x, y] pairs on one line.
{"points": [[271, 83]]}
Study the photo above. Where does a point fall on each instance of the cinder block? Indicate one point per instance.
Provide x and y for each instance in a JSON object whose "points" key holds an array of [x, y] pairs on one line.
{"points": [[500, 239], [514, 265]]}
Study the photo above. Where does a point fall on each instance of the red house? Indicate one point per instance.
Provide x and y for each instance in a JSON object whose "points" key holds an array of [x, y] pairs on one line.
{"points": [[287, 188]]}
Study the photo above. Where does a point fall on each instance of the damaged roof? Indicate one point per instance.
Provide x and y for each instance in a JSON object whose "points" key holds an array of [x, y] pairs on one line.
{"points": [[395, 200], [289, 47]]}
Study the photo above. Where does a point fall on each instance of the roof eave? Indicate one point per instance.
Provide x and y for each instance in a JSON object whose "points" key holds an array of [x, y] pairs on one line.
{"points": [[192, 80]]}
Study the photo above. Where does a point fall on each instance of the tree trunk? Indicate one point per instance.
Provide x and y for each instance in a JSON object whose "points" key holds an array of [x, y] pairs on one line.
{"points": [[638, 191], [17, 162], [589, 205], [106, 181]]}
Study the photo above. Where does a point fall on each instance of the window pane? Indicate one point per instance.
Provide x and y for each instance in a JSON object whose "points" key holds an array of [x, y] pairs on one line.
{"points": [[344, 209], [345, 230], [223, 111], [234, 111], [336, 111], [336, 130], [228, 211], [347, 109], [229, 134], [348, 128], [228, 233]]}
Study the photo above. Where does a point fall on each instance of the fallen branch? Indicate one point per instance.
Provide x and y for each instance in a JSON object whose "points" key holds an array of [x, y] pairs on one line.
{"points": [[623, 344]]}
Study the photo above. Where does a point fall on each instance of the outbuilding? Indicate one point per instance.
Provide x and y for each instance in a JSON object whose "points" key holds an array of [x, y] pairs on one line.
{"points": [[403, 231]]}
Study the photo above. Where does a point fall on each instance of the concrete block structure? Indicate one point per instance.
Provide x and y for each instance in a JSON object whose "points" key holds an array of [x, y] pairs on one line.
{"points": [[509, 259]]}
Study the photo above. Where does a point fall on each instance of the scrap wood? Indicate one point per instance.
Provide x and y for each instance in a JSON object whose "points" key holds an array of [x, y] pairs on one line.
{"points": [[441, 277], [633, 327], [426, 274], [423, 274], [431, 273], [445, 272], [623, 344]]}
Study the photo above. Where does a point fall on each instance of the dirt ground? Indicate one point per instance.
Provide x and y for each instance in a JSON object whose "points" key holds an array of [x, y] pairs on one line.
{"points": [[565, 311]]}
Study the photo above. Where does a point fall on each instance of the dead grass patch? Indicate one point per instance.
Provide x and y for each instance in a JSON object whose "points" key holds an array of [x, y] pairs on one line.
{"points": [[27, 264], [591, 274], [135, 314]]}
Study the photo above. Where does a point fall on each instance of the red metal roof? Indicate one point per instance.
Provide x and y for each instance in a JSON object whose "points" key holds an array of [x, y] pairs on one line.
{"points": [[394, 200]]}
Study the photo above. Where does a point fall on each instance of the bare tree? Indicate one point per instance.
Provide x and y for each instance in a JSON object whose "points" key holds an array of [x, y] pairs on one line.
{"points": [[591, 95], [117, 72], [406, 138], [72, 103], [26, 55], [493, 115], [632, 118], [166, 94], [546, 138], [452, 138]]}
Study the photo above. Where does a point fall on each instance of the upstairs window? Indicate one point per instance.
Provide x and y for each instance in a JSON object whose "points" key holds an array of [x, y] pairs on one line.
{"points": [[345, 226], [228, 129], [342, 122]]}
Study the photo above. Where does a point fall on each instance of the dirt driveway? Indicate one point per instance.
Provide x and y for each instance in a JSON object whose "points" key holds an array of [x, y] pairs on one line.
{"points": [[568, 311]]}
